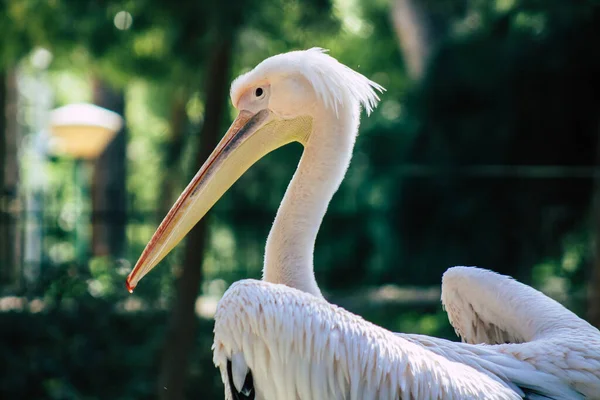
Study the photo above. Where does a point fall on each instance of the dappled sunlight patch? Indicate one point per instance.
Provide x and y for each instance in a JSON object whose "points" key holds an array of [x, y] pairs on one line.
{"points": [[133, 304], [391, 110], [574, 256], [95, 288], [348, 12], [36, 306], [150, 44], [62, 252], [107, 276], [75, 87], [41, 58], [22, 304], [206, 306], [122, 267], [546, 280], [559, 277], [398, 294], [195, 108], [69, 214], [531, 22], [12, 303], [214, 287], [469, 24], [504, 5], [557, 287]]}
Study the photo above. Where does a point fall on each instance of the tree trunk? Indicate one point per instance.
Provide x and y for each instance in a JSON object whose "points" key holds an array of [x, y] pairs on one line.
{"points": [[415, 35], [178, 122], [182, 327], [594, 284], [5, 262], [9, 175], [109, 196]]}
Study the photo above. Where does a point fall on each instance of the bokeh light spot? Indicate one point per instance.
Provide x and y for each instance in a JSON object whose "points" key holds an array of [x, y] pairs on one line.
{"points": [[123, 20]]}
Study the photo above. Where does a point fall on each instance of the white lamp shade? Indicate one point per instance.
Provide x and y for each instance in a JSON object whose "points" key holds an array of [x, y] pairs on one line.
{"points": [[83, 130]]}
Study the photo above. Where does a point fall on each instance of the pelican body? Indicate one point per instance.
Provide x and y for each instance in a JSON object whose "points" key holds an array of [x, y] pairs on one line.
{"points": [[279, 339]]}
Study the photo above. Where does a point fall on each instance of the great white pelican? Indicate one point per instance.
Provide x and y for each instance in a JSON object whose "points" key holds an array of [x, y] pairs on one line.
{"points": [[279, 338]]}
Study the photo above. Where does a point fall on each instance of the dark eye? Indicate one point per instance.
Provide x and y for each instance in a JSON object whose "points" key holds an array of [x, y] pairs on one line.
{"points": [[258, 92]]}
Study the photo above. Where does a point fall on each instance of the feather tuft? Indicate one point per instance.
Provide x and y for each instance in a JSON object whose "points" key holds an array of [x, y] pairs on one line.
{"points": [[335, 84]]}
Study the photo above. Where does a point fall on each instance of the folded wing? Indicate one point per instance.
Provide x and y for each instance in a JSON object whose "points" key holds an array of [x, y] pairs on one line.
{"points": [[298, 346], [523, 323]]}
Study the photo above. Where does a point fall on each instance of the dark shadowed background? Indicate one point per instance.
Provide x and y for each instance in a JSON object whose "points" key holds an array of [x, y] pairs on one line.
{"points": [[483, 151]]}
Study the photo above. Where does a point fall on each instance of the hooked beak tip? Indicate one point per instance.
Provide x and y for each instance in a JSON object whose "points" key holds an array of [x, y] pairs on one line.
{"points": [[129, 286]]}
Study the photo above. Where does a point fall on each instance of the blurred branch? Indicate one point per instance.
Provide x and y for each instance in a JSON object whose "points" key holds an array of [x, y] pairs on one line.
{"points": [[109, 189], [414, 34], [180, 336], [500, 171], [4, 223], [178, 122], [9, 175], [387, 295]]}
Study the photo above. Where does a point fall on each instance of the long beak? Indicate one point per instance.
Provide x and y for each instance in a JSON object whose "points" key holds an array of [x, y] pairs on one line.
{"points": [[250, 137]]}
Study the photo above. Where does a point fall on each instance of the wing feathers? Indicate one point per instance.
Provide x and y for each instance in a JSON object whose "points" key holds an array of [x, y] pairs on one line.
{"points": [[369, 360], [486, 307], [299, 346], [525, 325], [239, 370]]}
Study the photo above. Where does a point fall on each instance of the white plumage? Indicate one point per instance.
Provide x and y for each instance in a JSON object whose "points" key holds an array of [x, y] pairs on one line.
{"points": [[298, 346], [301, 347], [279, 339], [485, 307]]}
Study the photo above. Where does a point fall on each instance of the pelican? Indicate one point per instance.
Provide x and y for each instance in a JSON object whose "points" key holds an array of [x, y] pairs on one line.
{"points": [[278, 338]]}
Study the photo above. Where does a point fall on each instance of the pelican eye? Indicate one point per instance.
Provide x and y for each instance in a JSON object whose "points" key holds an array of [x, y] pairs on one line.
{"points": [[258, 92]]}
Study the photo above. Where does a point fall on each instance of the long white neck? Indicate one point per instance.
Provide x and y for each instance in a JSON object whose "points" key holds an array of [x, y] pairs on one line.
{"points": [[291, 242]]}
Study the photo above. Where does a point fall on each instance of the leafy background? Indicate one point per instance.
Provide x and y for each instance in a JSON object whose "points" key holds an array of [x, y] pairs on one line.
{"points": [[482, 152]]}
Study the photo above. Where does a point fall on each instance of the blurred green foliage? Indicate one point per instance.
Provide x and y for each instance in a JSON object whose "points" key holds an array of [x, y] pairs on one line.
{"points": [[90, 352], [519, 91], [511, 83]]}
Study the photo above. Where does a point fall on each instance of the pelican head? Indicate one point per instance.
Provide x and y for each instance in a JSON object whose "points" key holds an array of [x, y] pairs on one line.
{"points": [[278, 102]]}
